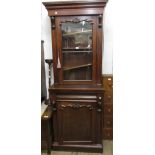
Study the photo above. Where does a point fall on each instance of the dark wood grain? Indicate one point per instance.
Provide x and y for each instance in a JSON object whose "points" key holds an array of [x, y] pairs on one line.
{"points": [[99, 49], [77, 103]]}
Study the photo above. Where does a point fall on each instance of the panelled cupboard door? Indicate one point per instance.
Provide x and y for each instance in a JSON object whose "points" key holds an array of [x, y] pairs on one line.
{"points": [[76, 49], [76, 122]]}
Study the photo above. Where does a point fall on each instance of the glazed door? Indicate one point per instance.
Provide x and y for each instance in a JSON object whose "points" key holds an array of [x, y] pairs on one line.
{"points": [[76, 49], [76, 122]]}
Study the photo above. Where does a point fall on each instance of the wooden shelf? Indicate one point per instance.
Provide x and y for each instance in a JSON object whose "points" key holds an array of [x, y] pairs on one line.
{"points": [[76, 67], [78, 49], [78, 32], [77, 52]]}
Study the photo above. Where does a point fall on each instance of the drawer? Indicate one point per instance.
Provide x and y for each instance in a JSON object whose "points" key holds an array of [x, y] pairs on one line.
{"points": [[108, 122], [74, 98], [108, 133], [108, 109], [108, 97]]}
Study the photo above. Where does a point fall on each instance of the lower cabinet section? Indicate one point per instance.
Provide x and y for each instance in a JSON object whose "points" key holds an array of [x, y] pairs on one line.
{"points": [[81, 118], [77, 122]]}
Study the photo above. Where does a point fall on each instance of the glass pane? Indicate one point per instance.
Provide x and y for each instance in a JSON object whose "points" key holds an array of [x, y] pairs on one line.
{"points": [[77, 50]]}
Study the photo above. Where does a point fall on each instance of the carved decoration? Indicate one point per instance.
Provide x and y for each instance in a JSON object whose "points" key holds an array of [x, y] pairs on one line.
{"points": [[58, 63], [100, 21], [77, 106], [77, 20], [53, 22]]}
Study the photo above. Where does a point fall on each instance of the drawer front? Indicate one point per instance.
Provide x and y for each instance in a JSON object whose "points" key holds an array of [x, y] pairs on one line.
{"points": [[108, 133], [108, 122], [76, 98], [95, 99], [108, 109]]}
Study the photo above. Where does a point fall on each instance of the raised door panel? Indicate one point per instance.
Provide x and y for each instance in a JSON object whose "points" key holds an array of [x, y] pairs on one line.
{"points": [[76, 49], [76, 122]]}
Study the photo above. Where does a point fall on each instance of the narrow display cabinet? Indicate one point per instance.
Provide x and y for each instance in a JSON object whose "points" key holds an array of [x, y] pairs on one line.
{"points": [[77, 93]]}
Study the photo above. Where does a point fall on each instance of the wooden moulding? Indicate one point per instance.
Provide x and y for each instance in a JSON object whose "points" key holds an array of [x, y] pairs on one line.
{"points": [[75, 4], [82, 148], [76, 88], [86, 7]]}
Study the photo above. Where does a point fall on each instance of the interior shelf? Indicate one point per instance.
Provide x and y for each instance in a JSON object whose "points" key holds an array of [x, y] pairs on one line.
{"points": [[77, 52], [76, 49], [78, 32], [76, 67]]}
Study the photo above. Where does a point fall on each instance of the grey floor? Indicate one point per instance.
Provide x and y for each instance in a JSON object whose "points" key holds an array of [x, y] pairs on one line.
{"points": [[108, 149]]}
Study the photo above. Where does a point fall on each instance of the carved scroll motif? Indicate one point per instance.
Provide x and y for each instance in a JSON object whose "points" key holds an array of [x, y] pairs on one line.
{"points": [[77, 106], [77, 20]]}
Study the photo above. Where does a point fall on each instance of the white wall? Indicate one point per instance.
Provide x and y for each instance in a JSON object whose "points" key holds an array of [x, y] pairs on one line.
{"points": [[107, 67], [46, 36]]}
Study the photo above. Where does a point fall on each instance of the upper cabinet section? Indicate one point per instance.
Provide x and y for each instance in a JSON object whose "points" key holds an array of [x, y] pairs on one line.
{"points": [[77, 40], [87, 7]]}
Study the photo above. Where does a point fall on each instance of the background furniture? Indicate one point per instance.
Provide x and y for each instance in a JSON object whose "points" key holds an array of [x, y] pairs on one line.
{"points": [[108, 107], [77, 96], [43, 77], [46, 136], [46, 130]]}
